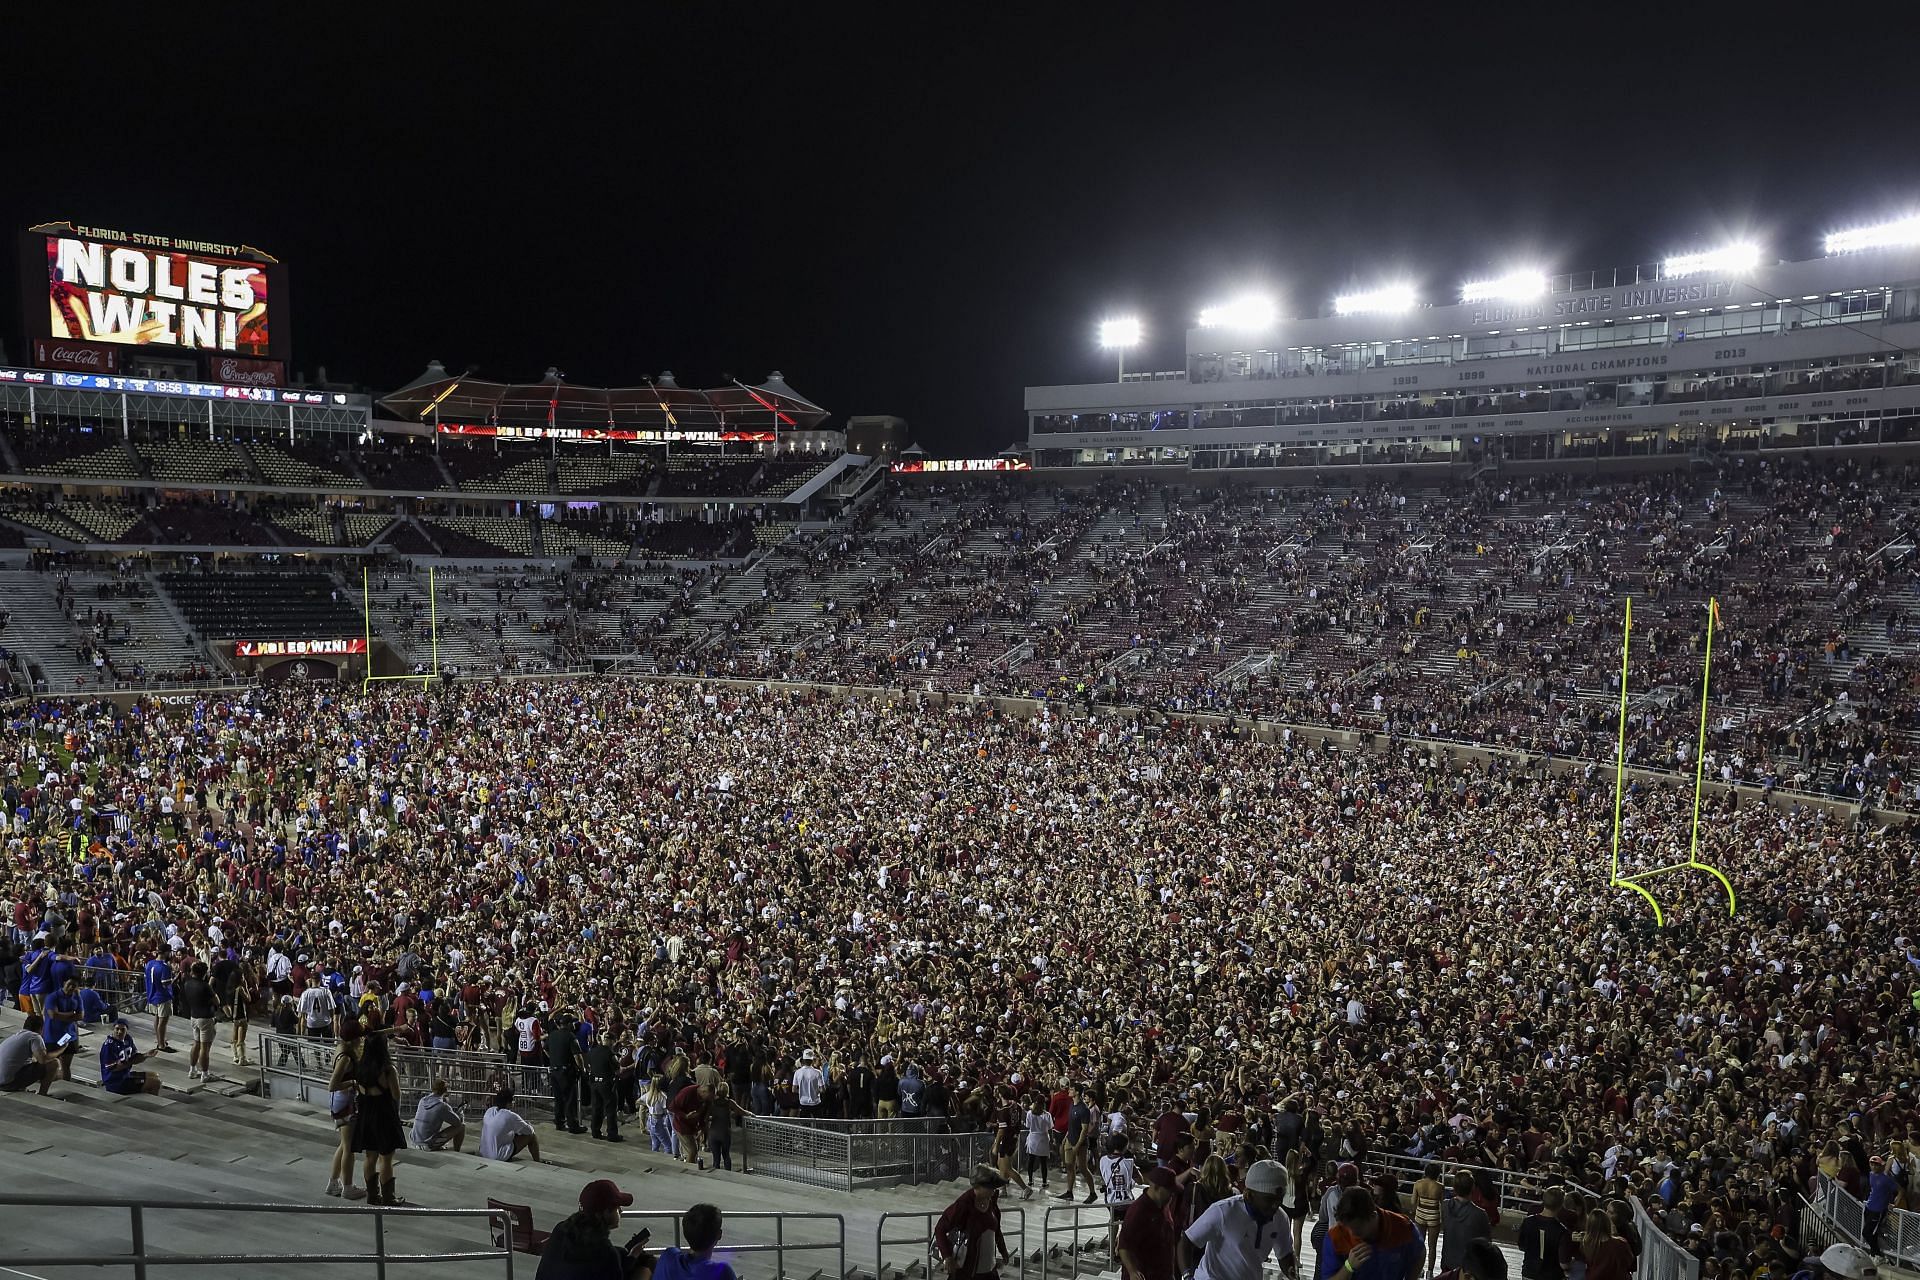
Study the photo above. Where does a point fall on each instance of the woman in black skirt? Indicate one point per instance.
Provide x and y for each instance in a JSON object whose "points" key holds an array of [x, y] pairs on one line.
{"points": [[376, 1122]]}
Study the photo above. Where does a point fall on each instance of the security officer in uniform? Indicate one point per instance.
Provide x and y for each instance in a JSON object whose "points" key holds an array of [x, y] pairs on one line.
{"points": [[603, 1075]]}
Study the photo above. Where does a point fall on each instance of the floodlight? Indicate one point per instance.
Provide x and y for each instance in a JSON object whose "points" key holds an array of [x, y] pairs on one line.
{"points": [[1252, 311], [1518, 286], [1742, 255], [1123, 332], [1888, 235], [1393, 297]]}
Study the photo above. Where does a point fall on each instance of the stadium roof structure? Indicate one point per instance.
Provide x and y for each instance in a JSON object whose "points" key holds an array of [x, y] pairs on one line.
{"points": [[659, 404]]}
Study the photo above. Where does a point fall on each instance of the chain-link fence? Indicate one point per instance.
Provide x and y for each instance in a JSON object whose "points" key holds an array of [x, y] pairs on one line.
{"points": [[845, 1154]]}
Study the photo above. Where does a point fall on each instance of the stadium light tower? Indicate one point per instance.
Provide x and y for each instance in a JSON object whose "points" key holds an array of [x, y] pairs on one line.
{"points": [[1729, 259], [1887, 235], [1253, 311], [1116, 336]]}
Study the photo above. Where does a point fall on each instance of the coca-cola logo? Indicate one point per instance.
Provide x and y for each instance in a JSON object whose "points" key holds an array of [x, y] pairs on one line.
{"points": [[90, 357], [79, 357]]}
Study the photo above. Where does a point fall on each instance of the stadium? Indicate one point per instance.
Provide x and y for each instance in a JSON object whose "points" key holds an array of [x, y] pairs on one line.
{"points": [[1422, 788]]}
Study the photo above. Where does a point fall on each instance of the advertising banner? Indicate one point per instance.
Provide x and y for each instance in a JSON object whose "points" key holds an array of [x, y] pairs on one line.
{"points": [[86, 357]]}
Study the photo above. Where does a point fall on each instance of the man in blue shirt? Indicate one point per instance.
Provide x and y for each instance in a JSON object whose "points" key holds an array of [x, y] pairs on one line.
{"points": [[1882, 1188], [695, 1260], [118, 1057], [60, 1014], [159, 976], [36, 968]]}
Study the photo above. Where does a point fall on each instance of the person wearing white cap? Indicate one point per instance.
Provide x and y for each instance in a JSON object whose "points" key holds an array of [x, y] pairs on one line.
{"points": [[1849, 1262], [809, 1082], [1235, 1236]]}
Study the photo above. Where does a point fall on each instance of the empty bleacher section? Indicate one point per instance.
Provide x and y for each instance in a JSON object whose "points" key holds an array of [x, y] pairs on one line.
{"points": [[694, 476], [202, 524], [304, 463], [91, 456], [629, 474], [566, 537], [304, 526], [693, 539], [782, 476], [481, 536], [363, 527], [486, 470], [411, 467], [198, 461], [281, 606]]}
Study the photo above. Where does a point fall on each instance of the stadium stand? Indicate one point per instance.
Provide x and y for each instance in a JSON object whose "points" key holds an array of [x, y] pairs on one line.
{"points": [[627, 474], [304, 463], [202, 524], [695, 476], [290, 605], [481, 537], [200, 461]]}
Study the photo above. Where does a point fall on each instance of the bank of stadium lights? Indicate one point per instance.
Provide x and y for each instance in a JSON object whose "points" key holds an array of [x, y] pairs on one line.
{"points": [[1887, 235], [1518, 286], [1252, 311], [1742, 255], [1393, 297], [1117, 335]]}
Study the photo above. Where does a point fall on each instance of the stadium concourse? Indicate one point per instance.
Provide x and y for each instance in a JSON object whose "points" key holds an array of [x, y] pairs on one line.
{"points": [[1266, 944]]}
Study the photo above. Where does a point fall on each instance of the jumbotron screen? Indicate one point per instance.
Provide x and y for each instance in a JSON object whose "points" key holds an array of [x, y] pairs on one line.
{"points": [[162, 291]]}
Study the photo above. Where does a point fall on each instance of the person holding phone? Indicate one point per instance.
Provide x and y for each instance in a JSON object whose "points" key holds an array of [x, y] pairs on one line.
{"points": [[581, 1246]]}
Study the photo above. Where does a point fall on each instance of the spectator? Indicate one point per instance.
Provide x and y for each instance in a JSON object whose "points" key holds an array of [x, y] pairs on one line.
{"points": [[808, 1084], [1147, 1247], [1882, 1189], [317, 1010], [1462, 1221], [1543, 1239], [118, 1057], [1428, 1196], [1039, 1142], [581, 1247], [158, 975], [24, 1061], [376, 1120], [200, 1006], [689, 1110], [1117, 1183], [701, 1227], [1368, 1243], [61, 1014], [1235, 1236], [505, 1133], [1608, 1257], [437, 1123], [968, 1238]]}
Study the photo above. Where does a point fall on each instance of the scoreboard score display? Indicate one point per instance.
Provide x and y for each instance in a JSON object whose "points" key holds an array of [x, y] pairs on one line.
{"points": [[193, 297]]}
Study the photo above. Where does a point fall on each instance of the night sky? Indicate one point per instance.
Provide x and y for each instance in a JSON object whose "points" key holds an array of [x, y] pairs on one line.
{"points": [[920, 209]]}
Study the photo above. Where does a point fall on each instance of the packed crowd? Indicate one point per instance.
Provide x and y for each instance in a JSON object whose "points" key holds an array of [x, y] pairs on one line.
{"points": [[1487, 613], [1315, 954]]}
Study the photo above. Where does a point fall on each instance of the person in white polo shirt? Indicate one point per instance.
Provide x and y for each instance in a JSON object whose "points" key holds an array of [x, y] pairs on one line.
{"points": [[809, 1082], [1235, 1236]]}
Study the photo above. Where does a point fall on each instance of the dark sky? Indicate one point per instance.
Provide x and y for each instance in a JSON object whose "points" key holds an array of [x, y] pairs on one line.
{"points": [[921, 209]]}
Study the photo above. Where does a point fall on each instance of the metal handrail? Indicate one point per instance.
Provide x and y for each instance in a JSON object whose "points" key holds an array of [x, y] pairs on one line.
{"points": [[780, 1247], [140, 1259], [1073, 1228], [924, 1238], [1518, 1189]]}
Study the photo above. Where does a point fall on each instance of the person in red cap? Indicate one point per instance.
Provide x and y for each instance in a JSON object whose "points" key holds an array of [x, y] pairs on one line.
{"points": [[581, 1247]]}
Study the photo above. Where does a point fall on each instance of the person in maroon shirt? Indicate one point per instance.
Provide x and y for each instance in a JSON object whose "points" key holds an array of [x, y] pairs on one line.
{"points": [[1147, 1245], [689, 1111]]}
